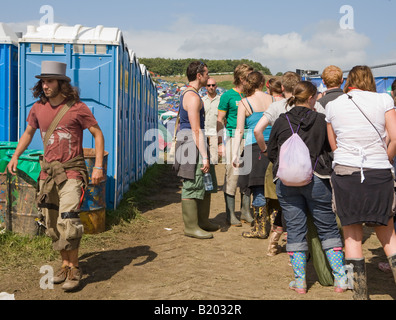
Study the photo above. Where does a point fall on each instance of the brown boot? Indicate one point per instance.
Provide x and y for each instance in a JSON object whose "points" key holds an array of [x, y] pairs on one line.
{"points": [[61, 275], [73, 279], [273, 246]]}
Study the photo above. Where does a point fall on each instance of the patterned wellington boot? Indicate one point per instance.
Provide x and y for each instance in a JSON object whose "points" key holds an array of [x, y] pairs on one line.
{"points": [[257, 230], [335, 257], [298, 260]]}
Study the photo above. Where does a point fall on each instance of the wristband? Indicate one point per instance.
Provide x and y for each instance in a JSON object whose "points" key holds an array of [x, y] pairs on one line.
{"points": [[99, 168], [264, 150]]}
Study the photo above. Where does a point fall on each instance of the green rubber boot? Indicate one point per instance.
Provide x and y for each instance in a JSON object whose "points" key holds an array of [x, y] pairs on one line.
{"points": [[203, 214], [245, 208], [230, 210], [190, 218]]}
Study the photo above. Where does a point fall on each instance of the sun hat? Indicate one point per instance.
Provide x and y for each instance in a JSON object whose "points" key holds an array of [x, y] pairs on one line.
{"points": [[53, 70]]}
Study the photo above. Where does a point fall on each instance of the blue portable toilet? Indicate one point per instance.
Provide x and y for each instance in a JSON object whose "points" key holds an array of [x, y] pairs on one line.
{"points": [[144, 113], [95, 59], [139, 123], [8, 84], [133, 116]]}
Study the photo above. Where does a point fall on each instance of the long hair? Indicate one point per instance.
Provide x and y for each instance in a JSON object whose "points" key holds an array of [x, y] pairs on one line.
{"points": [[301, 93], [360, 77], [65, 89]]}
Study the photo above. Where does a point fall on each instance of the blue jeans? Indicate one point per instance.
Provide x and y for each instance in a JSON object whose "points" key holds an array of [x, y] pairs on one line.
{"points": [[315, 198], [258, 196]]}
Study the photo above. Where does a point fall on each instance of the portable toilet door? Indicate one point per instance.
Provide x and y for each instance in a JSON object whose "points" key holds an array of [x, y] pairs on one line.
{"points": [[144, 114], [125, 148], [132, 117], [93, 57], [8, 84], [139, 123]]}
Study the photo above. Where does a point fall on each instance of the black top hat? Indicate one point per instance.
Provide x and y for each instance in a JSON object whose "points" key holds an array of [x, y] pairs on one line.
{"points": [[53, 70]]}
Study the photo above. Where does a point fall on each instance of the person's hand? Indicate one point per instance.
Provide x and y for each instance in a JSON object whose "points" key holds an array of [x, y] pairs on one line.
{"points": [[97, 176], [12, 166], [205, 165], [235, 162], [221, 150]]}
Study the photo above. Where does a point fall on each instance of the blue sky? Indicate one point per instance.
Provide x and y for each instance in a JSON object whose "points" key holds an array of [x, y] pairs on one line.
{"points": [[303, 34]]}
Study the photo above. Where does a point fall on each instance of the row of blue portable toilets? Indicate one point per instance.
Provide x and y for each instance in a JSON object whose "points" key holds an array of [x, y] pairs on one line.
{"points": [[115, 86]]}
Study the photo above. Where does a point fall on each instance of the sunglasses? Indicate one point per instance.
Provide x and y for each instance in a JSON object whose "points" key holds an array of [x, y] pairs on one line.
{"points": [[211, 85]]}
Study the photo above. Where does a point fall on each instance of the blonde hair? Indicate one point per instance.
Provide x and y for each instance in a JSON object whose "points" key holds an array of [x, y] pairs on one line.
{"points": [[254, 81], [289, 80], [332, 76], [241, 72], [302, 92], [360, 77]]}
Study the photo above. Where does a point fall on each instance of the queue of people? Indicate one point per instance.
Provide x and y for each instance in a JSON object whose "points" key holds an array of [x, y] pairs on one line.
{"points": [[350, 141]]}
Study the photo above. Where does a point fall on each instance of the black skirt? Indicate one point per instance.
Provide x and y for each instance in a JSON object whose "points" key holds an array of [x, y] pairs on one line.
{"points": [[368, 202], [256, 175]]}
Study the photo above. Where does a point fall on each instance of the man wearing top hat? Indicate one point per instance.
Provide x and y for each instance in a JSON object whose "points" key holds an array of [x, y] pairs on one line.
{"points": [[63, 175]]}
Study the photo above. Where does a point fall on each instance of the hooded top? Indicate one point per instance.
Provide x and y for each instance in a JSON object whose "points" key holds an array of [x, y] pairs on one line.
{"points": [[313, 131]]}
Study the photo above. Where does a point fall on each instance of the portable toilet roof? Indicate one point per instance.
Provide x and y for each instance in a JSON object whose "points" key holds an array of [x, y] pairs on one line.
{"points": [[7, 35], [57, 33]]}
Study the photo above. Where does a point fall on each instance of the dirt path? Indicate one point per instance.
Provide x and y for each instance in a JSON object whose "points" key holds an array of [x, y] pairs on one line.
{"points": [[156, 261]]}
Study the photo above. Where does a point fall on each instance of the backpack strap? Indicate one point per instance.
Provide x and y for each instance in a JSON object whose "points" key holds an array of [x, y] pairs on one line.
{"points": [[298, 128]]}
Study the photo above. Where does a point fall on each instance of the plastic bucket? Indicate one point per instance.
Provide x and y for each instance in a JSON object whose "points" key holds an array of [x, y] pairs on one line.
{"points": [[93, 208]]}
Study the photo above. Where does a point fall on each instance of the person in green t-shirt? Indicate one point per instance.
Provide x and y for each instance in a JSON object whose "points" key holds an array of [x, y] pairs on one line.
{"points": [[228, 111]]}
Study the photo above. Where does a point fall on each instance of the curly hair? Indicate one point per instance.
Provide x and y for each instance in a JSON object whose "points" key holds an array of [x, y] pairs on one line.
{"points": [[254, 80], [65, 89]]}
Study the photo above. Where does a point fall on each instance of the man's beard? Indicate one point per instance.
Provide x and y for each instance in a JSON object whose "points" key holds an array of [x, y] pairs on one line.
{"points": [[52, 93]]}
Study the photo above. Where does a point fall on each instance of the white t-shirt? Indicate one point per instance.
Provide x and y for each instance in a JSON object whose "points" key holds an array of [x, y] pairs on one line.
{"points": [[278, 107], [358, 144]]}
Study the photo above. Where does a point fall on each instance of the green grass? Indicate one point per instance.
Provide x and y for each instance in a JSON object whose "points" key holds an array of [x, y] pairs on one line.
{"points": [[21, 251]]}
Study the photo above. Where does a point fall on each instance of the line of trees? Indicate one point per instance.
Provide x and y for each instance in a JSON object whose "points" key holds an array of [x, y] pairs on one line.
{"points": [[172, 67]]}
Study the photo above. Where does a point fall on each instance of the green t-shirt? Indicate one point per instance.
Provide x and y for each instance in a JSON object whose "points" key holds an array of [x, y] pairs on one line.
{"points": [[229, 101]]}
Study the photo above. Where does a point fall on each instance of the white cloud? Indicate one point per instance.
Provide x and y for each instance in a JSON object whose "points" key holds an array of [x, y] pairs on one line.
{"points": [[323, 44]]}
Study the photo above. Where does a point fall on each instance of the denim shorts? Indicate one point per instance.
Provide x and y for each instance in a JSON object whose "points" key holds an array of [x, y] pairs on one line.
{"points": [[315, 198]]}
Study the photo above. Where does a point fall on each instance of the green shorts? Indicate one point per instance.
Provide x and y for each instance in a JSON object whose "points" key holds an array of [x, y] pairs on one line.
{"points": [[195, 189]]}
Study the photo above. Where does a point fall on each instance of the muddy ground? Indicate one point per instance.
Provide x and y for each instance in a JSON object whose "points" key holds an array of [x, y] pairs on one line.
{"points": [[153, 260]]}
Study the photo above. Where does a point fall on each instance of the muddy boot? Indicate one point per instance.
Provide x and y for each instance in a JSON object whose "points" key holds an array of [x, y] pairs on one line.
{"points": [[298, 261], [230, 210], [392, 265], [335, 257], [203, 214], [358, 278], [258, 229], [73, 279], [61, 275], [245, 209], [190, 218], [273, 246]]}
